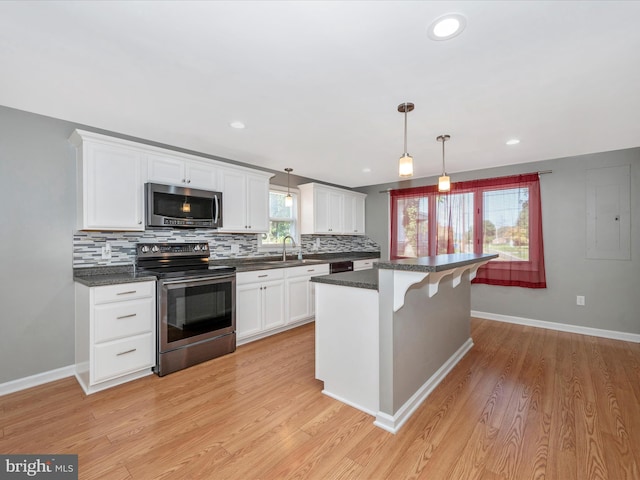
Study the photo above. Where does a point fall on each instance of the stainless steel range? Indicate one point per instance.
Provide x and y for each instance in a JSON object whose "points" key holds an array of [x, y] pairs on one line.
{"points": [[196, 304]]}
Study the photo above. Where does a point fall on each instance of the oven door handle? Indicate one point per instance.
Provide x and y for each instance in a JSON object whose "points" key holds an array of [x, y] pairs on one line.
{"points": [[210, 279]]}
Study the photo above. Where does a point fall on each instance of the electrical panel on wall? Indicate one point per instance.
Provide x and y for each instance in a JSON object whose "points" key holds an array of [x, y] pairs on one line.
{"points": [[609, 213]]}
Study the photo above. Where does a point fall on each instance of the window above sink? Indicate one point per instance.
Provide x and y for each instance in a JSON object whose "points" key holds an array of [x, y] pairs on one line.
{"points": [[283, 221]]}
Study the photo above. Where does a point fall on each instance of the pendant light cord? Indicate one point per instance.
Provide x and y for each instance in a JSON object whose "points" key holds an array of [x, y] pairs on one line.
{"points": [[444, 173], [405, 129]]}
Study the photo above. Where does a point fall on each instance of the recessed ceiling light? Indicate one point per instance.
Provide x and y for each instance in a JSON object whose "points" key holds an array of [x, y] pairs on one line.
{"points": [[366, 170], [236, 124], [513, 141], [447, 26]]}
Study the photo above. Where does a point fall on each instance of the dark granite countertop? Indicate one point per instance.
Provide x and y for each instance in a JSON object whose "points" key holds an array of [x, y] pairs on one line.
{"points": [[112, 275], [361, 279], [100, 276], [369, 278], [435, 263]]}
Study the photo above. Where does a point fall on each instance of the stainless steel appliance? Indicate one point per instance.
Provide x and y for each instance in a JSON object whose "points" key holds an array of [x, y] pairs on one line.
{"points": [[196, 306], [337, 267], [179, 207]]}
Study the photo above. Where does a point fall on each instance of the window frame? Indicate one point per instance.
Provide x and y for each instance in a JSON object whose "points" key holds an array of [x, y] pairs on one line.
{"points": [[269, 247]]}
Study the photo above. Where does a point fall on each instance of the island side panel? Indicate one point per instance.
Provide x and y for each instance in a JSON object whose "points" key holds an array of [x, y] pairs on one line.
{"points": [[347, 344], [386, 344], [426, 333]]}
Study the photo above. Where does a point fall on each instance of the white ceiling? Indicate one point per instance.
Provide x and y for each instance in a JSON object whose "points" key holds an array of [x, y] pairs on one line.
{"points": [[318, 83]]}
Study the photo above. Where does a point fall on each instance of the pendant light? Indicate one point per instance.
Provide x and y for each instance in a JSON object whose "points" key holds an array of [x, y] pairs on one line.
{"points": [[444, 182], [405, 164], [288, 200]]}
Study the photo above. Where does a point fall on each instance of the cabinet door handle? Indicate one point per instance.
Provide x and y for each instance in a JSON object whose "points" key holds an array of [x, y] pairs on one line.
{"points": [[127, 293], [262, 276], [189, 181], [128, 351], [311, 270], [126, 316]]}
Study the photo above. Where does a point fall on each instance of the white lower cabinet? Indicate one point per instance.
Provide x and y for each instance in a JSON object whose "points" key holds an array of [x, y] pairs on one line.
{"points": [[115, 333], [259, 302], [270, 301], [300, 291]]}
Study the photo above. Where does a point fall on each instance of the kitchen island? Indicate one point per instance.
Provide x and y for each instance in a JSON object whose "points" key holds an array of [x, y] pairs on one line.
{"points": [[386, 337]]}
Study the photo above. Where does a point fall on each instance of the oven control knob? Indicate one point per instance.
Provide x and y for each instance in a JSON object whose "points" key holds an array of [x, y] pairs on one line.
{"points": [[196, 248], [155, 249], [205, 247], [144, 249]]}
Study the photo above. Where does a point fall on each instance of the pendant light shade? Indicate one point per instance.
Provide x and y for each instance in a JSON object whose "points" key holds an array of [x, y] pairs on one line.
{"points": [[444, 182], [405, 164], [288, 200]]}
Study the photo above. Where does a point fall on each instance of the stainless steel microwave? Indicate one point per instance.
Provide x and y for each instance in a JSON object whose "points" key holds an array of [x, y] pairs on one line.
{"points": [[179, 207]]}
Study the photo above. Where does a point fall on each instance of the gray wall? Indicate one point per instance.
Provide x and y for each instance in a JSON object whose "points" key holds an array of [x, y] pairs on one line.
{"points": [[610, 286], [37, 194]]}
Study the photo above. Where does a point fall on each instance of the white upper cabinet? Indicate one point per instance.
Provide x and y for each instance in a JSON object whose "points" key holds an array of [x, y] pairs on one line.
{"points": [[110, 183], [177, 170], [354, 213], [245, 201], [329, 210]]}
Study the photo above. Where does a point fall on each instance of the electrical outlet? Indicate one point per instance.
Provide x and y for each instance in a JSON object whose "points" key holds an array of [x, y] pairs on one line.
{"points": [[235, 248], [316, 246], [106, 251], [580, 300]]}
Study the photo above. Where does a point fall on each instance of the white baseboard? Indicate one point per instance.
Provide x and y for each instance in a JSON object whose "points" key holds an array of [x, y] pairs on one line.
{"points": [[350, 403], [393, 423], [37, 379], [562, 327]]}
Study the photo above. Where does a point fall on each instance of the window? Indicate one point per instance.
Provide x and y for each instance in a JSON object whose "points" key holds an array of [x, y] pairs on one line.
{"points": [[282, 220], [499, 216]]}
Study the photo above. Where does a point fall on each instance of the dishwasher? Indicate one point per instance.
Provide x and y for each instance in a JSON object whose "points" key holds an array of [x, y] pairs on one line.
{"points": [[337, 267]]}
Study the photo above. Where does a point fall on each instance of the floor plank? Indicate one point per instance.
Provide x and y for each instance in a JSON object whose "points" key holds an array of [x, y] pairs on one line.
{"points": [[523, 403]]}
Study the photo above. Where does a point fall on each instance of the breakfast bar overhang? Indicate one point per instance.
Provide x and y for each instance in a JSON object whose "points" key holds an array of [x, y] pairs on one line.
{"points": [[386, 337]]}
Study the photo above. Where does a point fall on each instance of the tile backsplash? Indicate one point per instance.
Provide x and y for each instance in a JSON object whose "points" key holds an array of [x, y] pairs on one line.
{"points": [[87, 246]]}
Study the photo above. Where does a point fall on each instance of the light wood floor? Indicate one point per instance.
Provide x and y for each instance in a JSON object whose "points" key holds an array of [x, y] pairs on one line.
{"points": [[524, 403]]}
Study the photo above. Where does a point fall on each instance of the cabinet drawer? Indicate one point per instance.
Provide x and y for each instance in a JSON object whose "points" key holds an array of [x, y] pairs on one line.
{"points": [[123, 291], [259, 276], [123, 319], [123, 356], [363, 264], [308, 270]]}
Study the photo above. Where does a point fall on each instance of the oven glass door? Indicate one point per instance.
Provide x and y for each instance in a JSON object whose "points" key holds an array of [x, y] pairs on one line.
{"points": [[195, 309]]}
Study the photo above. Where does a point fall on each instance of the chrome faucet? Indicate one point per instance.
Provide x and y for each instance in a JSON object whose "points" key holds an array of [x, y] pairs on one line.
{"points": [[284, 250]]}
